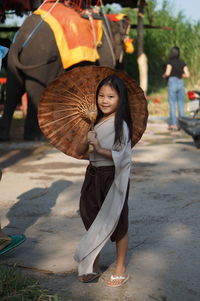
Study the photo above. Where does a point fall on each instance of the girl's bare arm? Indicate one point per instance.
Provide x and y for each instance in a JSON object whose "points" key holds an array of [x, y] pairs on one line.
{"points": [[100, 150], [105, 152]]}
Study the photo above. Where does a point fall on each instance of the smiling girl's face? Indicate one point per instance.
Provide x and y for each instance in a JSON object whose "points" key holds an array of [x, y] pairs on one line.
{"points": [[108, 101]]}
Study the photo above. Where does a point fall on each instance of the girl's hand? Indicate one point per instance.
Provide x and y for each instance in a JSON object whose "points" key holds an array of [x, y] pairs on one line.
{"points": [[91, 135], [92, 139], [95, 143]]}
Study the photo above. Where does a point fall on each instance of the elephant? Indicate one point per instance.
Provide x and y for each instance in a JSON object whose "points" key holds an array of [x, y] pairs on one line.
{"points": [[34, 61]]}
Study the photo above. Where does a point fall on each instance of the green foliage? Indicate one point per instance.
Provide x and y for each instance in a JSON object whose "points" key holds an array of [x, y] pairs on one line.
{"points": [[157, 43], [12, 23], [17, 287], [7, 35]]}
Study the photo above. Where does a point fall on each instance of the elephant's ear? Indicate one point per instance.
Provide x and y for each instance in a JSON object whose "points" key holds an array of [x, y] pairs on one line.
{"points": [[120, 27]]}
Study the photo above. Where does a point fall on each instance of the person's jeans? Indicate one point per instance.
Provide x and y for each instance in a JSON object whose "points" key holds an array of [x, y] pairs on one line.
{"points": [[176, 94]]}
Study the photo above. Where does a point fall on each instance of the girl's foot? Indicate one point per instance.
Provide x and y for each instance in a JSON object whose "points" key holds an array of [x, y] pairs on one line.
{"points": [[5, 241], [92, 276], [117, 280], [89, 277], [119, 277]]}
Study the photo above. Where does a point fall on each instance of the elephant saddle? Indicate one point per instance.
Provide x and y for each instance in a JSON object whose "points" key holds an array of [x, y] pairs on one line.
{"points": [[76, 38]]}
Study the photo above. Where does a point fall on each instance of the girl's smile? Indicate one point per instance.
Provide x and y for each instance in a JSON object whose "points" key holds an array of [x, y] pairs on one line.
{"points": [[108, 100]]}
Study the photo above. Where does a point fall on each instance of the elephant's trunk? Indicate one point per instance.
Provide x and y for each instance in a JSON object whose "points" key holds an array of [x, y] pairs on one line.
{"points": [[15, 53]]}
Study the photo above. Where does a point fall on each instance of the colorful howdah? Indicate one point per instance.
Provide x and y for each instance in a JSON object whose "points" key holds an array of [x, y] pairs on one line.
{"points": [[76, 38]]}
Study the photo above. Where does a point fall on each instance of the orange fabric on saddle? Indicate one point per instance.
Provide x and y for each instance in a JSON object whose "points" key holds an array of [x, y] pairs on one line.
{"points": [[77, 38], [116, 17]]}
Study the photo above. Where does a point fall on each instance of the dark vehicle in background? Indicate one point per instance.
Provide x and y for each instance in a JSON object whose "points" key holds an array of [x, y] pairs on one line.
{"points": [[191, 125]]}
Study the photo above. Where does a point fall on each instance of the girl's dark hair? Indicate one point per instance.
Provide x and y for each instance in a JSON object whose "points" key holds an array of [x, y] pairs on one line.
{"points": [[174, 53], [123, 110]]}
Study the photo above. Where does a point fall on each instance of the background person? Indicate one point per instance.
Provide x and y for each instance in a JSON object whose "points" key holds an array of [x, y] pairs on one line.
{"points": [[176, 70]]}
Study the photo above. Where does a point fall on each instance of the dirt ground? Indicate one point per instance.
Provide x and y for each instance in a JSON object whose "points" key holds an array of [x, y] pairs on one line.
{"points": [[40, 189]]}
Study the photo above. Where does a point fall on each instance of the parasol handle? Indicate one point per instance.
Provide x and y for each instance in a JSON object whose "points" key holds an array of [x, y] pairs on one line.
{"points": [[91, 148]]}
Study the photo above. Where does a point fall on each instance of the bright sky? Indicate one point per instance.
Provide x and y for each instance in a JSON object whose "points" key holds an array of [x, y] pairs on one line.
{"points": [[190, 8]]}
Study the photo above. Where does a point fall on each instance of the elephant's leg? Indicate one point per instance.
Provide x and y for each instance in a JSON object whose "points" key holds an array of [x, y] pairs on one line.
{"points": [[31, 127], [14, 92], [36, 81]]}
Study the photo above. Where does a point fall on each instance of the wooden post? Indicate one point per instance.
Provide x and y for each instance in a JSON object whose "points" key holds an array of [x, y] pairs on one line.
{"points": [[142, 58]]}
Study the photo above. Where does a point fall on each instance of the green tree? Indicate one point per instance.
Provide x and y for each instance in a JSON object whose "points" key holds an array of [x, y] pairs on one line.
{"points": [[157, 43]]}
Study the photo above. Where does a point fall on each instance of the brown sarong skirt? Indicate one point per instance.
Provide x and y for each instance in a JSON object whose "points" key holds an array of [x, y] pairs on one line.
{"points": [[96, 185]]}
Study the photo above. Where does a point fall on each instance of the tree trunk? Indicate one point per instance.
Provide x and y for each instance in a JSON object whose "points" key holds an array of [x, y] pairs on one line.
{"points": [[142, 58]]}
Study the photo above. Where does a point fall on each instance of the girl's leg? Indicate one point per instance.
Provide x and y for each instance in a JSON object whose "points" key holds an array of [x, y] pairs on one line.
{"points": [[119, 277], [121, 248], [96, 272], [96, 267]]}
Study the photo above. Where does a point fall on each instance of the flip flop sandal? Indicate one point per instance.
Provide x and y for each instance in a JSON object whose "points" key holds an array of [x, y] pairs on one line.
{"points": [[120, 279], [4, 242], [89, 277], [16, 241], [4, 238]]}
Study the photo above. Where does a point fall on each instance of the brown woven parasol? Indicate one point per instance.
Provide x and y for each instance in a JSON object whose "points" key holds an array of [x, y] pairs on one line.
{"points": [[68, 106]]}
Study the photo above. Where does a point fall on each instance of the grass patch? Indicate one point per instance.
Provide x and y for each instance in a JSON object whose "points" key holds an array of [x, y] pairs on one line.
{"points": [[14, 286], [158, 103]]}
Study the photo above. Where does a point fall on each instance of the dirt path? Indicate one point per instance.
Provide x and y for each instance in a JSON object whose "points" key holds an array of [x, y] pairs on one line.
{"points": [[163, 255]]}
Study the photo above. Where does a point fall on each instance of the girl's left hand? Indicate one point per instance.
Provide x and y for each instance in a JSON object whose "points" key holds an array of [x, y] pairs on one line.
{"points": [[96, 144], [91, 135], [92, 139]]}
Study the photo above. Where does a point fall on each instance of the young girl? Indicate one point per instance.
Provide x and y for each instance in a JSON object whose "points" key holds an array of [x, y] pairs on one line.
{"points": [[104, 194]]}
